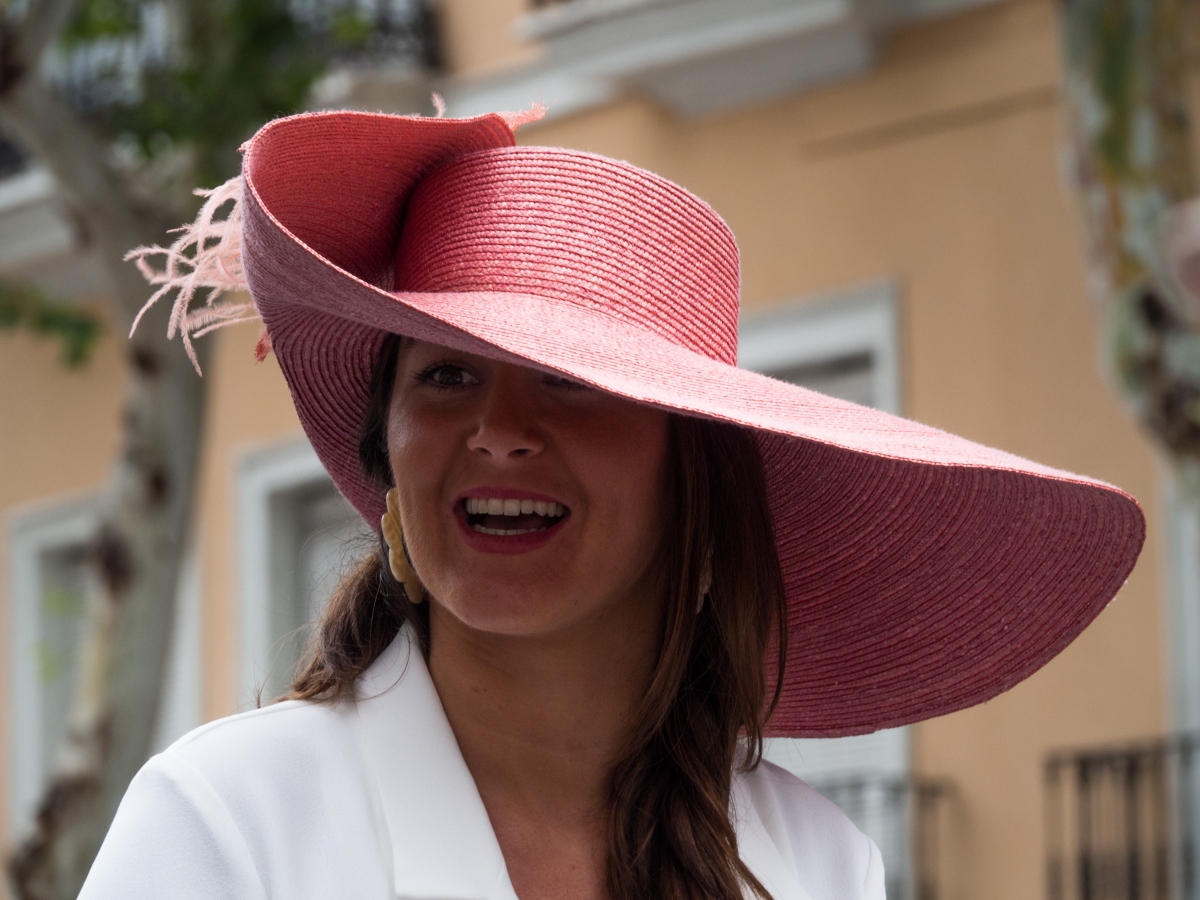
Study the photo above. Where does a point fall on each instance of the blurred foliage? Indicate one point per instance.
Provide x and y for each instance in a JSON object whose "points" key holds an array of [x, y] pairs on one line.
{"points": [[62, 604], [350, 29], [52, 664], [101, 19], [27, 307], [1125, 82], [229, 67], [178, 85], [240, 63]]}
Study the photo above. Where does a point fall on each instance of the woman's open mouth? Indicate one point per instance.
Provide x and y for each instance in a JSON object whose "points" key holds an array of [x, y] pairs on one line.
{"points": [[509, 517]]}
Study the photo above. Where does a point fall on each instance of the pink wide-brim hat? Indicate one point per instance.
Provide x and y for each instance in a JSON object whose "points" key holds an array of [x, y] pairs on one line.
{"points": [[924, 573]]}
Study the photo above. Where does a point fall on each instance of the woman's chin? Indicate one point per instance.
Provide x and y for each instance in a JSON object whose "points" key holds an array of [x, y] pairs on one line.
{"points": [[513, 616]]}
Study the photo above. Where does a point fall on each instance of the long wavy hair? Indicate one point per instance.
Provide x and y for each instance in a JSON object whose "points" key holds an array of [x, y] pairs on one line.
{"points": [[669, 834]]}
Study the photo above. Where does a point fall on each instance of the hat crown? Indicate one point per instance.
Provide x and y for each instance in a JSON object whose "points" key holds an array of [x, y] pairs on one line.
{"points": [[580, 228]]}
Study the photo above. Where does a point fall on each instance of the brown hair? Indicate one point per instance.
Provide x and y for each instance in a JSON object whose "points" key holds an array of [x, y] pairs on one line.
{"points": [[670, 834]]}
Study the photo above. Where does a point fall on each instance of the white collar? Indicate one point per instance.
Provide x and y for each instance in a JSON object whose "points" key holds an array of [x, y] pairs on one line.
{"points": [[442, 843]]}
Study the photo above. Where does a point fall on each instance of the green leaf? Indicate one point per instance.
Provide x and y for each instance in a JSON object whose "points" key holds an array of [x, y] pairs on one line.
{"points": [[350, 29], [245, 62], [26, 306], [103, 19], [238, 64], [60, 604], [51, 665]]}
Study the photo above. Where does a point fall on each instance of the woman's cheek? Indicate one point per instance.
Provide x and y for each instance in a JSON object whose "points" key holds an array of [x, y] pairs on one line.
{"points": [[415, 451], [629, 462]]}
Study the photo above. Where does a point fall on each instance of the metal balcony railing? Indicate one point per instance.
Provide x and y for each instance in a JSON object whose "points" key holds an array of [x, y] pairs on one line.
{"points": [[1121, 823], [909, 819], [400, 29]]}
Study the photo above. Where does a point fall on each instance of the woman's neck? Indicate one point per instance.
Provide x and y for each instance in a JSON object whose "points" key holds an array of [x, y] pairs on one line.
{"points": [[540, 721]]}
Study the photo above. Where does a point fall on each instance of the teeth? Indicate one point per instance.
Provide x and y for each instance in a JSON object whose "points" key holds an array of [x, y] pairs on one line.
{"points": [[492, 506], [506, 532]]}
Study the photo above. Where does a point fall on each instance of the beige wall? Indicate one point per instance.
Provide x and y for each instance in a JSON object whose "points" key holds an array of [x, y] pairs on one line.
{"points": [[250, 406], [59, 430], [477, 36], [938, 171]]}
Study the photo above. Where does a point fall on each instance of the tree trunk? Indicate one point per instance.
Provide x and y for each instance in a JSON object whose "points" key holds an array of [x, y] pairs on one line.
{"points": [[145, 518]]}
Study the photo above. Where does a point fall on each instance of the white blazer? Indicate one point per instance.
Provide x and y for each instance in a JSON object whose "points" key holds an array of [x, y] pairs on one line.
{"points": [[370, 800]]}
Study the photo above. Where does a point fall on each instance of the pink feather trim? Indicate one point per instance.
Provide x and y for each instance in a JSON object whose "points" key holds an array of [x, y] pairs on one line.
{"points": [[207, 254], [263, 347], [515, 120]]}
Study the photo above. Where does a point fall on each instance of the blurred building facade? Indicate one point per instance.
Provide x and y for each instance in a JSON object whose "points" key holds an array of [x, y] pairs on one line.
{"points": [[890, 171]]}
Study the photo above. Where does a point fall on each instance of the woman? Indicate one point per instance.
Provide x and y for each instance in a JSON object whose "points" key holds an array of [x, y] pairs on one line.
{"points": [[610, 561]]}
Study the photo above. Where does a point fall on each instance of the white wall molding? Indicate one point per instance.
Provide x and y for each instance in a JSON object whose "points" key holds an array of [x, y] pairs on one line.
{"points": [[30, 532], [263, 473], [60, 523], [1181, 557], [862, 319], [696, 57], [32, 224]]}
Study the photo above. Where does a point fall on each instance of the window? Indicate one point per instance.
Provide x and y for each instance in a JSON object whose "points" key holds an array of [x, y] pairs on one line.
{"points": [[298, 536], [32, 227], [846, 346], [1183, 614], [51, 586]]}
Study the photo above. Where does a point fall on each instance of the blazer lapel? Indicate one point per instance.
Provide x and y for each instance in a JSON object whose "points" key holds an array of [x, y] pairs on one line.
{"points": [[442, 843], [763, 840]]}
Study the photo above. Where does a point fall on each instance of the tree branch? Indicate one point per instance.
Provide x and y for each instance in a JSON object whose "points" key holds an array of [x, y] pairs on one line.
{"points": [[22, 42], [76, 156]]}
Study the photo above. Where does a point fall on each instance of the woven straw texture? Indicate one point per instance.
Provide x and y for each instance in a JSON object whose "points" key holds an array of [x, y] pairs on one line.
{"points": [[924, 573]]}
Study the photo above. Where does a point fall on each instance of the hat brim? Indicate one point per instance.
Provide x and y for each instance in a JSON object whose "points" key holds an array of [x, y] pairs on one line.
{"points": [[924, 573]]}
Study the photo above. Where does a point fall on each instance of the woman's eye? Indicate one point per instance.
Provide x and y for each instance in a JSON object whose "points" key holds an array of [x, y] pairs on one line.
{"points": [[446, 376], [565, 384]]}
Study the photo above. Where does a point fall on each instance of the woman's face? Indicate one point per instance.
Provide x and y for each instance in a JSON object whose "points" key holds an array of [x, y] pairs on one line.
{"points": [[530, 503]]}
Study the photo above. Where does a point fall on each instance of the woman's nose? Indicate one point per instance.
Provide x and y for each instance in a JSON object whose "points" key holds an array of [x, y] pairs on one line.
{"points": [[507, 425]]}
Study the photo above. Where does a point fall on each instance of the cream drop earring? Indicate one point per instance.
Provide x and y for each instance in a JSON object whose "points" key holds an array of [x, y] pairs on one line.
{"points": [[398, 561]]}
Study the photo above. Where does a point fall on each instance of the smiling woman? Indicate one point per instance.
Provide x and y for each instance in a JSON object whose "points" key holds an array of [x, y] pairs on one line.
{"points": [[628, 497], [610, 562]]}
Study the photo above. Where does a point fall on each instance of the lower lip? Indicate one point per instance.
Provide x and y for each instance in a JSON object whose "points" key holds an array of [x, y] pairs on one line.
{"points": [[506, 543]]}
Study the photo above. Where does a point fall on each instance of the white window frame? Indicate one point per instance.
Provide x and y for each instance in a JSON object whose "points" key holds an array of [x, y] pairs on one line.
{"points": [[32, 530], [1181, 554], [810, 331], [815, 330], [263, 473]]}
